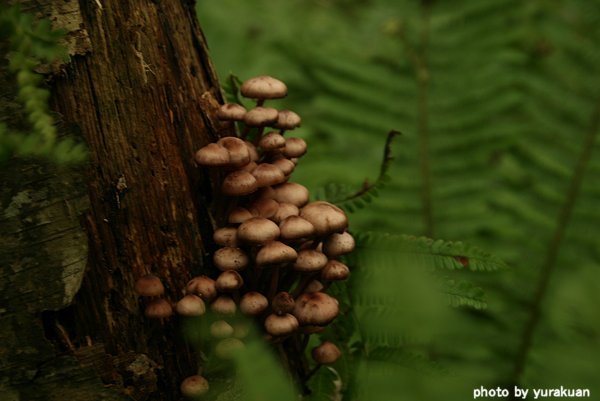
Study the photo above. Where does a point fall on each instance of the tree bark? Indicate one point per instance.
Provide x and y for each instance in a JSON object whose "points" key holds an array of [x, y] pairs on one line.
{"points": [[141, 90]]}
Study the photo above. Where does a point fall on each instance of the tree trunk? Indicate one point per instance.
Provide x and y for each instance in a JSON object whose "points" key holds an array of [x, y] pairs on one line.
{"points": [[141, 90]]}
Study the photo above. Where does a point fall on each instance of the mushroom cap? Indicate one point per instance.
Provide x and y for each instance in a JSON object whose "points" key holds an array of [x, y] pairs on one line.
{"points": [[194, 386], [326, 353], [224, 305], [316, 308], [149, 286], [158, 309], [221, 329], [238, 215], [314, 286], [287, 119], [239, 154], [230, 258], [231, 112], [202, 286], [283, 302], [338, 244], [253, 303], [326, 218], [257, 230], [295, 227], [271, 141], [263, 87], [310, 260], [281, 325], [213, 154], [285, 165], [260, 116], [291, 192], [229, 281], [264, 208], [284, 211], [294, 147], [267, 174], [190, 305], [225, 236], [335, 270], [239, 183], [248, 167], [227, 348], [275, 252], [252, 150]]}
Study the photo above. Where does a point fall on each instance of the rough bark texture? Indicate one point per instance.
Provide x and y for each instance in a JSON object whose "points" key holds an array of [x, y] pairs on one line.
{"points": [[142, 95]]}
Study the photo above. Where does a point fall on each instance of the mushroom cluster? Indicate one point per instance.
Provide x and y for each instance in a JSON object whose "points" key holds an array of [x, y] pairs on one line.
{"points": [[278, 253]]}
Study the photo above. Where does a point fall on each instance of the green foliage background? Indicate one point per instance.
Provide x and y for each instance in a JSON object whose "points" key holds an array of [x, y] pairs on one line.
{"points": [[498, 103]]}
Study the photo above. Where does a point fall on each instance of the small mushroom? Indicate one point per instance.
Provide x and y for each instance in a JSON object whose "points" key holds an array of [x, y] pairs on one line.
{"points": [[223, 305], [202, 286], [190, 305], [221, 329], [316, 308], [257, 230], [225, 236], [272, 141], [263, 87], [283, 302], [229, 281], [294, 147], [238, 215], [268, 174], [227, 348], [213, 155], [338, 244], [260, 117], [335, 271], [281, 325], [194, 386], [295, 227], [326, 218], [287, 120], [326, 353], [231, 112], [285, 165], [149, 286], [314, 286], [239, 183], [230, 258], [275, 252], [264, 208], [253, 303], [158, 309], [310, 260], [291, 192], [284, 211], [237, 149]]}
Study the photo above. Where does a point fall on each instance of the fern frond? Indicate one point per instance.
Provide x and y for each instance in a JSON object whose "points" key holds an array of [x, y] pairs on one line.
{"points": [[341, 196]]}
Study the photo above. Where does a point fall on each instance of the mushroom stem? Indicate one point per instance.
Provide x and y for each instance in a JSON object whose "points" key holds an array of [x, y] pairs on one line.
{"points": [[260, 102], [303, 284], [258, 136], [274, 283], [245, 132]]}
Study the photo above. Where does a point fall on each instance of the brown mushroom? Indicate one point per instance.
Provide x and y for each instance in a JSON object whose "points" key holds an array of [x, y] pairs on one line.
{"points": [[257, 230], [338, 244], [310, 260], [202, 286], [281, 325], [291, 192], [263, 87], [275, 252], [190, 305], [316, 308], [213, 155], [295, 227], [149, 286], [326, 353], [253, 303], [239, 183], [326, 218], [231, 112], [230, 258]]}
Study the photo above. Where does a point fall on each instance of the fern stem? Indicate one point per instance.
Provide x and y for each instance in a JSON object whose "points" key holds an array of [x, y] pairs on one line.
{"points": [[553, 248], [422, 75]]}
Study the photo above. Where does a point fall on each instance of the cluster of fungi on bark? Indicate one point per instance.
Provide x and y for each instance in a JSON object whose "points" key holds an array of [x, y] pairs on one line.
{"points": [[278, 251]]}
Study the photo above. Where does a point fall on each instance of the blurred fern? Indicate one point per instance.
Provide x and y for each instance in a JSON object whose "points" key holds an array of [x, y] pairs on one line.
{"points": [[498, 103], [29, 44]]}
